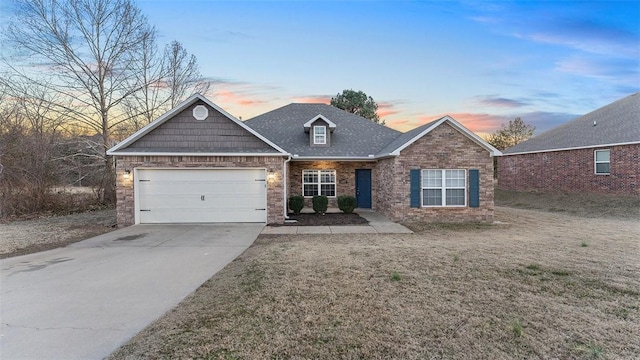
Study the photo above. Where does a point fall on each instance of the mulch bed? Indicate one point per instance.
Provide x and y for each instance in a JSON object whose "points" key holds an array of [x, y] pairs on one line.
{"points": [[326, 219]]}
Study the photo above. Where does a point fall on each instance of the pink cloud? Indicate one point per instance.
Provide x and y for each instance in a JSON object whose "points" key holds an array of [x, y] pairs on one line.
{"points": [[313, 99], [478, 123], [237, 97], [386, 109], [398, 124], [401, 125]]}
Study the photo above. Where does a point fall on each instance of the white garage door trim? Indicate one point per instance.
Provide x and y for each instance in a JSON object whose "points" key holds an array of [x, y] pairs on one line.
{"points": [[255, 174]]}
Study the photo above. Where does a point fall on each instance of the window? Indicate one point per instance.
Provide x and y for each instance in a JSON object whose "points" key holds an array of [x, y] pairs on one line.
{"points": [[602, 161], [444, 187], [319, 182], [319, 135]]}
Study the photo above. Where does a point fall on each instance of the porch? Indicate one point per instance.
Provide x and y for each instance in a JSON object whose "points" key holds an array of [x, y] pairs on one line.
{"points": [[333, 179]]}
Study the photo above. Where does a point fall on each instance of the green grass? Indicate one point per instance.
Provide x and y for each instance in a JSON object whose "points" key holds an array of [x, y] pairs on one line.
{"points": [[395, 276], [252, 279], [534, 267], [591, 350], [560, 272], [516, 328]]}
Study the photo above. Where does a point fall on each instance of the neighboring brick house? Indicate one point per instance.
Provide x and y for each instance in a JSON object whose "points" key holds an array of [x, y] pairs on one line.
{"points": [[595, 153], [197, 163]]}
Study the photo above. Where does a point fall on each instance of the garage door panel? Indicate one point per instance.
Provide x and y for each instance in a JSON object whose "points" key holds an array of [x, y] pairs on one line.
{"points": [[166, 187], [168, 216], [201, 196]]}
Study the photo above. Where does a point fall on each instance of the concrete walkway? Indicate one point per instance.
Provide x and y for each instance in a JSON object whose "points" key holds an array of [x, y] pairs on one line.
{"points": [[378, 224]]}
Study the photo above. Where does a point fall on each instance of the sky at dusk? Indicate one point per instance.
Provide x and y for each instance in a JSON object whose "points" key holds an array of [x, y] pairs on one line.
{"points": [[483, 63]]}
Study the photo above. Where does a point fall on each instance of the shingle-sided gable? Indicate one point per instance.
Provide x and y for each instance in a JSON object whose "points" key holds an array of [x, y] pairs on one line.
{"points": [[216, 133], [181, 132], [614, 124]]}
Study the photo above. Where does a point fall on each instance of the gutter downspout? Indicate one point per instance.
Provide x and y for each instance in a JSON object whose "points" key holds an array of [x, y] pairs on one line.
{"points": [[284, 186]]}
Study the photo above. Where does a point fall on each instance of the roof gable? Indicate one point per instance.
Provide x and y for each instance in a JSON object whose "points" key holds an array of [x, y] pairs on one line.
{"points": [[405, 140], [184, 129], [617, 123], [330, 124]]}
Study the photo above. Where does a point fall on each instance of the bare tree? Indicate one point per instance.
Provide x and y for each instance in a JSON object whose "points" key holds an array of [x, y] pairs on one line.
{"points": [[167, 79], [29, 132], [145, 104], [183, 74], [90, 47]]}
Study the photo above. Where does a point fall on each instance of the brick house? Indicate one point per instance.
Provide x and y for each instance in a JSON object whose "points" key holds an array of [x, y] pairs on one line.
{"points": [[197, 163], [595, 153]]}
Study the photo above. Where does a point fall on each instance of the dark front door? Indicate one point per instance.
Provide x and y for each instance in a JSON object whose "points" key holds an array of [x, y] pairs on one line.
{"points": [[363, 188]]}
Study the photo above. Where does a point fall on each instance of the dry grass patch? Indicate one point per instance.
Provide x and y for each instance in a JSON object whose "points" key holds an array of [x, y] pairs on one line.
{"points": [[523, 290], [581, 204], [44, 233]]}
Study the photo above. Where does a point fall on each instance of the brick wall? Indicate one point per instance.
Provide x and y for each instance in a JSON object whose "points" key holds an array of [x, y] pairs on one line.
{"points": [[571, 171], [443, 148], [345, 177], [385, 180], [125, 195]]}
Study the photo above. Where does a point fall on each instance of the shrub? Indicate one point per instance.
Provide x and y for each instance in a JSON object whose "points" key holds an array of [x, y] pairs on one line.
{"points": [[296, 203], [320, 203], [347, 204]]}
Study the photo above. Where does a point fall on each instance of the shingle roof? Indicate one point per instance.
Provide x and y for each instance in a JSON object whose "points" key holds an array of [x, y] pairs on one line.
{"points": [[616, 123], [354, 136], [283, 132]]}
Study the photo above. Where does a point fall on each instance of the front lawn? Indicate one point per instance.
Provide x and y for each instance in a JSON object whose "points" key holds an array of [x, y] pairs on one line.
{"points": [[541, 285]]}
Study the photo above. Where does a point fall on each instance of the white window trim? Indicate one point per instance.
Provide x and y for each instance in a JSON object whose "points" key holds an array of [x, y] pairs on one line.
{"points": [[444, 189], [320, 183], [596, 162], [324, 135]]}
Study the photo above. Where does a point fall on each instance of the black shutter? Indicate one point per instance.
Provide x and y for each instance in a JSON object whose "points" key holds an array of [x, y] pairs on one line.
{"points": [[416, 188], [474, 188]]}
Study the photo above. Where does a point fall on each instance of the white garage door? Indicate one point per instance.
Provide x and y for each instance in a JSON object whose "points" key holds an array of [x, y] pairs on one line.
{"points": [[201, 195]]}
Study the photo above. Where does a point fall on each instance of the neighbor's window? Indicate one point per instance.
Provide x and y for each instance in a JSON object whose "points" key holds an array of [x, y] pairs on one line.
{"points": [[602, 161], [444, 187], [319, 135], [319, 182]]}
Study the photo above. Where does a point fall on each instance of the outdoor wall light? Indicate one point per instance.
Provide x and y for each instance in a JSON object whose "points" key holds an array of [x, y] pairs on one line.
{"points": [[127, 173], [271, 175]]}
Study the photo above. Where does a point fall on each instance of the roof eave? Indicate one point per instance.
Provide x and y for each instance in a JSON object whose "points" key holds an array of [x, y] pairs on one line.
{"points": [[333, 158], [160, 153], [571, 148]]}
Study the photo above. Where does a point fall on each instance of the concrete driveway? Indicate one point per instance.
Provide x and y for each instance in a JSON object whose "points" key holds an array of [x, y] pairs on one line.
{"points": [[85, 300]]}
